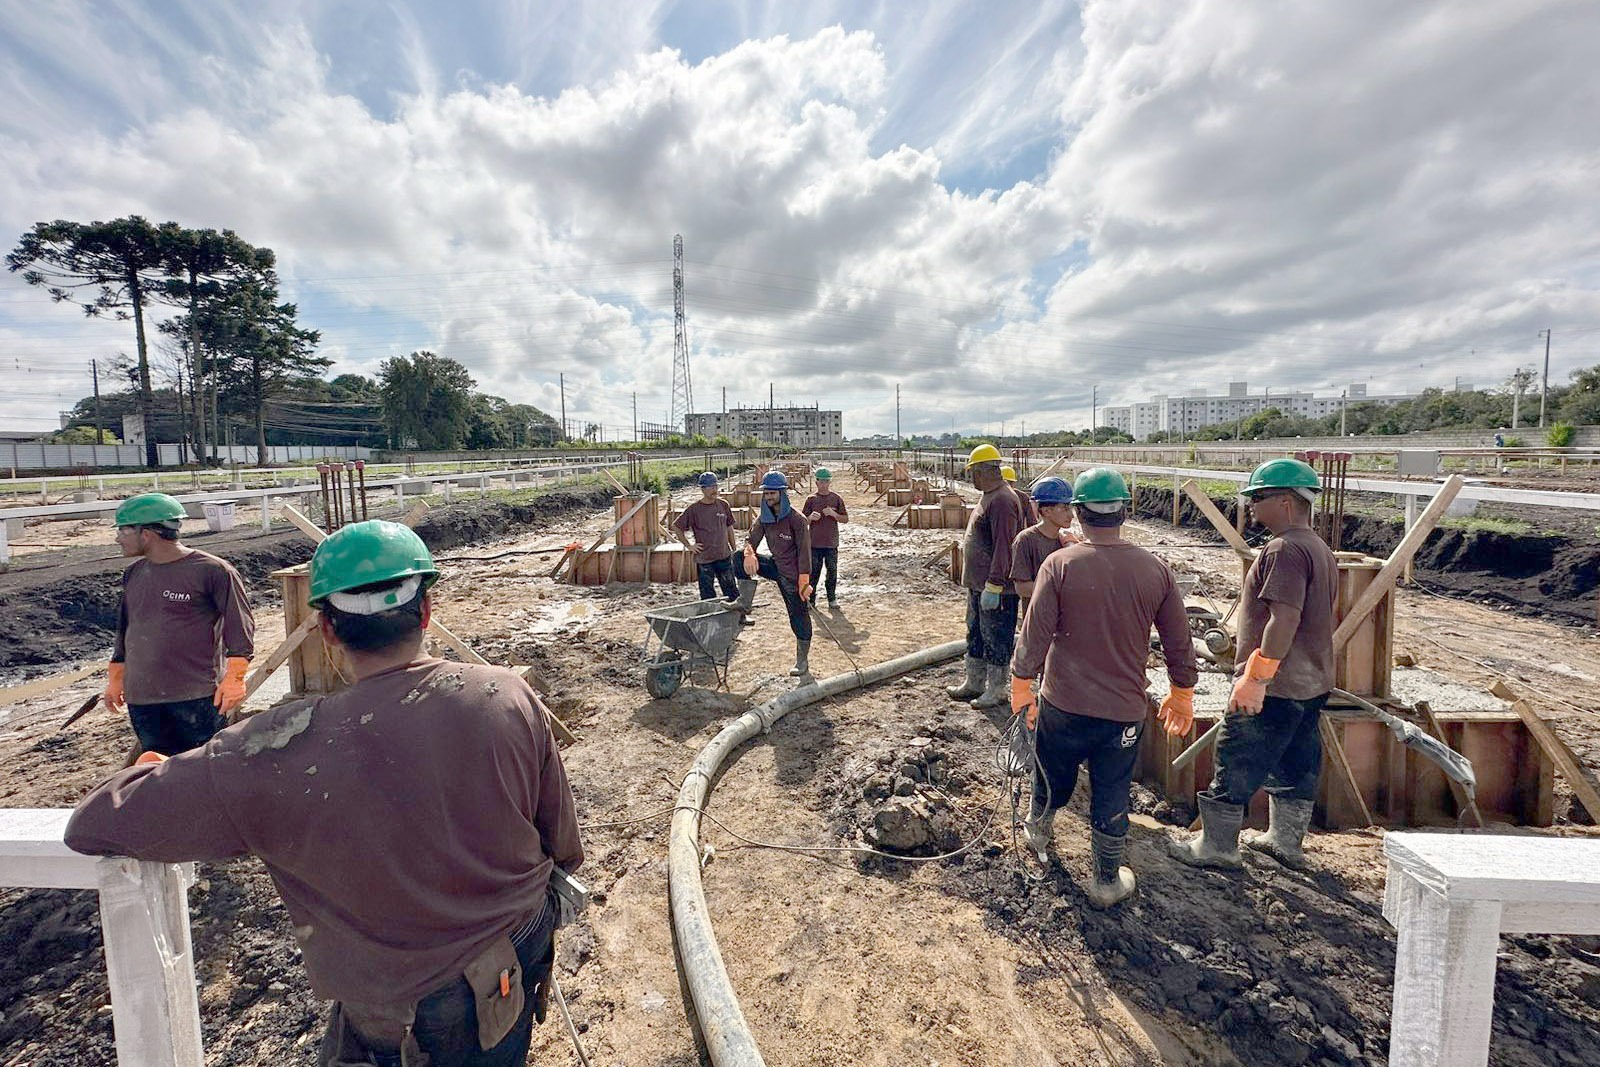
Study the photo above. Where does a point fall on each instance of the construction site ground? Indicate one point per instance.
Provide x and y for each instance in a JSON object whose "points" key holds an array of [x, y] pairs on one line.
{"points": [[837, 958]]}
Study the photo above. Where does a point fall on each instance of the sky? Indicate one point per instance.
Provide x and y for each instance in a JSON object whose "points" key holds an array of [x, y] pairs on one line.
{"points": [[1009, 210]]}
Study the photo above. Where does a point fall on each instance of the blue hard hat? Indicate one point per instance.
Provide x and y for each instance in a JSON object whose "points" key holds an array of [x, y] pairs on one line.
{"points": [[1052, 490], [774, 480], [707, 479]]}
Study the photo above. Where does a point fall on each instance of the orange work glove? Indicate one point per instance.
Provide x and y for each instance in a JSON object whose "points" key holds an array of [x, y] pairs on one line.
{"points": [[805, 587], [1177, 711], [1023, 702], [113, 696], [230, 694], [1251, 689], [751, 566], [149, 757]]}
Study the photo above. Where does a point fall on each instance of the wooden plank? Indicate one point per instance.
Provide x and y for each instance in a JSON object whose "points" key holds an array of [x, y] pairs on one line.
{"points": [[1463, 800], [144, 920], [1395, 566], [414, 516], [1443, 975], [281, 654], [903, 513], [41, 686], [305, 525], [1330, 737], [1192, 490], [1553, 747]]}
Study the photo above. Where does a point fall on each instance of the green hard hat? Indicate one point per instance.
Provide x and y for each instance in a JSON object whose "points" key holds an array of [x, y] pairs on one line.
{"points": [[1099, 485], [1282, 474], [147, 509], [824, 474], [367, 553]]}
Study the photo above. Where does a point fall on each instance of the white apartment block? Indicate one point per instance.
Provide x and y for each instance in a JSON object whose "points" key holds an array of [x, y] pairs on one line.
{"points": [[1182, 415], [801, 427]]}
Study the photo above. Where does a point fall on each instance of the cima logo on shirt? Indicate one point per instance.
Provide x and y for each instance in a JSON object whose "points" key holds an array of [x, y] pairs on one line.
{"points": [[173, 594]]}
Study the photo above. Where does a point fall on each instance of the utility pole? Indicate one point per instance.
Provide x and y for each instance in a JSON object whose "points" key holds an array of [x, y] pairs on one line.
{"points": [[635, 416], [1544, 383], [94, 369], [1344, 394], [682, 394], [1094, 409], [897, 437], [771, 415], [562, 378]]}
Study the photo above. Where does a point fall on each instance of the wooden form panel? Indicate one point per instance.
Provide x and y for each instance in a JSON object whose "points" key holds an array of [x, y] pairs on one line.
{"points": [[1401, 788], [313, 666], [937, 517], [668, 564], [1364, 666], [644, 528]]}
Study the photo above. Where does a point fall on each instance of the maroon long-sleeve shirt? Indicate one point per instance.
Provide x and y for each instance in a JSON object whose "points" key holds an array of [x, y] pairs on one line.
{"points": [[407, 822], [1087, 632], [176, 623], [789, 541], [986, 551]]}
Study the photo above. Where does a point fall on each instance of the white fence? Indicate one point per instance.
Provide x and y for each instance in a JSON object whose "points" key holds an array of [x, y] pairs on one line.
{"points": [[26, 455]]}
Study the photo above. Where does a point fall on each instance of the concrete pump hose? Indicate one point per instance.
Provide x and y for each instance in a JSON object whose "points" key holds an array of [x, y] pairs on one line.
{"points": [[727, 1036]]}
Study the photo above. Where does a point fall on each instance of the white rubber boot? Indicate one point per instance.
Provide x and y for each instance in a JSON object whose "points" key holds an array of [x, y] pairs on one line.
{"points": [[1217, 843], [802, 654], [1040, 833], [974, 682], [1110, 882], [998, 691], [1286, 832]]}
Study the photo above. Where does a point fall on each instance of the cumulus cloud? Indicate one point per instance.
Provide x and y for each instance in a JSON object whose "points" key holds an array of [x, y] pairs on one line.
{"points": [[1302, 196]]}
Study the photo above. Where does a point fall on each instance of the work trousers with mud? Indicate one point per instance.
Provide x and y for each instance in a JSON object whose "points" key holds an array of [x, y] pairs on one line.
{"points": [[799, 610], [1280, 748], [829, 558], [175, 726], [718, 572], [1064, 743], [991, 634]]}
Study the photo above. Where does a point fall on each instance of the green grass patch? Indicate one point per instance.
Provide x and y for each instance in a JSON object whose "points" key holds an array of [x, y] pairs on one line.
{"points": [[1474, 524]]}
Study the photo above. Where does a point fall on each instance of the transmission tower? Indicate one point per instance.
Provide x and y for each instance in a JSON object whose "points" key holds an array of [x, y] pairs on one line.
{"points": [[682, 393]]}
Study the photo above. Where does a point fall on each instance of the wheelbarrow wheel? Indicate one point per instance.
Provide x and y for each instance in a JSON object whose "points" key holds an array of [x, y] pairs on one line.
{"points": [[662, 682]]}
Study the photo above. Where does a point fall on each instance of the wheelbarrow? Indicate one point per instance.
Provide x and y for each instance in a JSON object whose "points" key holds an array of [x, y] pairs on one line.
{"points": [[686, 636]]}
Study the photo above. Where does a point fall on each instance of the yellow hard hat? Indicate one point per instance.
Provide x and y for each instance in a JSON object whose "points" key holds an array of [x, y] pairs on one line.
{"points": [[984, 453], [1008, 473]]}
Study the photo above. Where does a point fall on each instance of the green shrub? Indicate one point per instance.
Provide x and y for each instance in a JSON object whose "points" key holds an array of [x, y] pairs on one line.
{"points": [[1514, 442], [1560, 435]]}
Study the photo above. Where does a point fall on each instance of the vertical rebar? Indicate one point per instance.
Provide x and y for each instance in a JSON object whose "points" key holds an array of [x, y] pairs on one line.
{"points": [[327, 510], [361, 471]]}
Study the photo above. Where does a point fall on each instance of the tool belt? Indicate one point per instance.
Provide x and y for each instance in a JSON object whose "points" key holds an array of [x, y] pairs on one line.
{"points": [[500, 992]]}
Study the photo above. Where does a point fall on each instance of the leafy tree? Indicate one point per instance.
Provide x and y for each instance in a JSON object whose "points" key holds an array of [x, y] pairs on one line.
{"points": [[113, 264], [427, 400], [261, 352], [199, 265], [83, 435]]}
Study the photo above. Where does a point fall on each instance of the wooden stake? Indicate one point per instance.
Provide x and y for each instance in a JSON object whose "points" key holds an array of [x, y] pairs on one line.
{"points": [[1553, 747], [1384, 580], [1216, 518]]}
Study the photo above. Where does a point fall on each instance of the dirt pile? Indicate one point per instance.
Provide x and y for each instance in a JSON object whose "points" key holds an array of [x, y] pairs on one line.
{"points": [[1538, 574]]}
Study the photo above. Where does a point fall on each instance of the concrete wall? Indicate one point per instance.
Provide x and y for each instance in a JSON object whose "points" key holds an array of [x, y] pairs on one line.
{"points": [[27, 455]]}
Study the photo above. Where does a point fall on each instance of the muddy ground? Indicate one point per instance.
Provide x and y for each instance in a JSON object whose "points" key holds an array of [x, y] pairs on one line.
{"points": [[840, 959]]}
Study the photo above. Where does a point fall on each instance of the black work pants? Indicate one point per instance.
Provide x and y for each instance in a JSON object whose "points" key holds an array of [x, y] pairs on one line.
{"points": [[446, 1026], [826, 557], [991, 634], [717, 572], [1110, 748], [176, 726], [1280, 748], [799, 610]]}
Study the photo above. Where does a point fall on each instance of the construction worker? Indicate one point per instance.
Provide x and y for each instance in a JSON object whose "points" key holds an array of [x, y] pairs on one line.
{"points": [[986, 572], [411, 822], [710, 519], [1030, 513], [1086, 639], [1272, 733], [1052, 498], [788, 537], [825, 511], [185, 632]]}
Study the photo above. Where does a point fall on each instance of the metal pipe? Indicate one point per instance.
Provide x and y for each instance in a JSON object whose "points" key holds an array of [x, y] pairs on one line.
{"points": [[727, 1036], [361, 471]]}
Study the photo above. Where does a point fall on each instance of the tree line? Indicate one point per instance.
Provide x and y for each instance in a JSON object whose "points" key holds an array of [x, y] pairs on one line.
{"points": [[232, 351]]}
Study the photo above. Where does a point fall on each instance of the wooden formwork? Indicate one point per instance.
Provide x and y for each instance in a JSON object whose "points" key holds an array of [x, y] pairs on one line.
{"points": [[938, 516], [1401, 788], [1364, 666], [314, 667], [743, 517], [643, 527], [662, 563]]}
